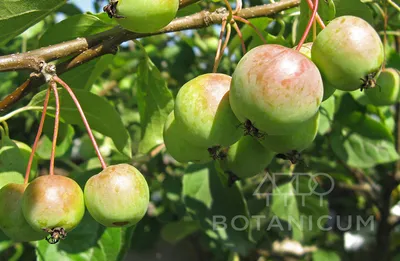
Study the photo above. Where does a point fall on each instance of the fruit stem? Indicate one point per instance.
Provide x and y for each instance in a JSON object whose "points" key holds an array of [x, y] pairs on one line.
{"points": [[239, 5], [308, 28], [240, 35], [53, 86], [2, 133], [314, 30], [38, 134], [85, 122], [241, 19], [318, 18], [394, 5], [6, 129], [219, 49], [228, 5]]}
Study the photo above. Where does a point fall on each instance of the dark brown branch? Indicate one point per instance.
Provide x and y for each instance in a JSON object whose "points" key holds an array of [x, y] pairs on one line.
{"points": [[106, 42]]}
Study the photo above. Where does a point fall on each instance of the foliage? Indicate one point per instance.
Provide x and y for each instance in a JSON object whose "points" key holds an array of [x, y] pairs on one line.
{"points": [[127, 98]]}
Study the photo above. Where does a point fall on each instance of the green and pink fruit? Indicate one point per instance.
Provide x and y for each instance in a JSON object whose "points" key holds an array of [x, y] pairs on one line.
{"points": [[179, 148], [203, 110], [10, 177], [347, 52], [53, 202], [298, 141], [387, 89], [143, 16], [12, 220], [329, 90], [247, 157], [118, 196], [305, 49], [276, 88]]}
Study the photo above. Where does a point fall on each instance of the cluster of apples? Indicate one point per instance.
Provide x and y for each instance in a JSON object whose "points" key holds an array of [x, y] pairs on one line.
{"points": [[52, 205], [271, 104]]}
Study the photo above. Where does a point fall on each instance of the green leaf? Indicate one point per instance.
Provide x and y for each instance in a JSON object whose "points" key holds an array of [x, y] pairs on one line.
{"points": [[5, 242], [81, 25], [360, 151], [12, 163], [26, 153], [353, 7], [155, 102], [248, 32], [176, 231], [100, 114], [63, 145], [322, 255], [189, 10], [301, 205], [354, 116], [221, 211], [326, 10], [327, 111], [85, 75], [17, 16]]}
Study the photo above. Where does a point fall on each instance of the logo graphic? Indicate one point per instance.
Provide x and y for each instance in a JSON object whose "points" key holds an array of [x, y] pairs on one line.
{"points": [[296, 185]]}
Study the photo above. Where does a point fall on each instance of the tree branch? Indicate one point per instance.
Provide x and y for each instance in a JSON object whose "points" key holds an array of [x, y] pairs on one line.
{"points": [[107, 42]]}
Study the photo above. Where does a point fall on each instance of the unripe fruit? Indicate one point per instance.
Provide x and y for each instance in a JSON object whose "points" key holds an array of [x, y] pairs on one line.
{"points": [[179, 148], [247, 157], [329, 90], [118, 196], [298, 141], [386, 92], [276, 88], [202, 109], [348, 52], [10, 177], [53, 202], [305, 49], [12, 220], [143, 16]]}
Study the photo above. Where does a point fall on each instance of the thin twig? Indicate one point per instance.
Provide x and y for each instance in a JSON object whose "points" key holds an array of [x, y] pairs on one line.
{"points": [[230, 10], [91, 47], [219, 48], [53, 86], [85, 122], [240, 35], [239, 5], [198, 20], [38, 134], [243, 20], [318, 18], [308, 28], [6, 128]]}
